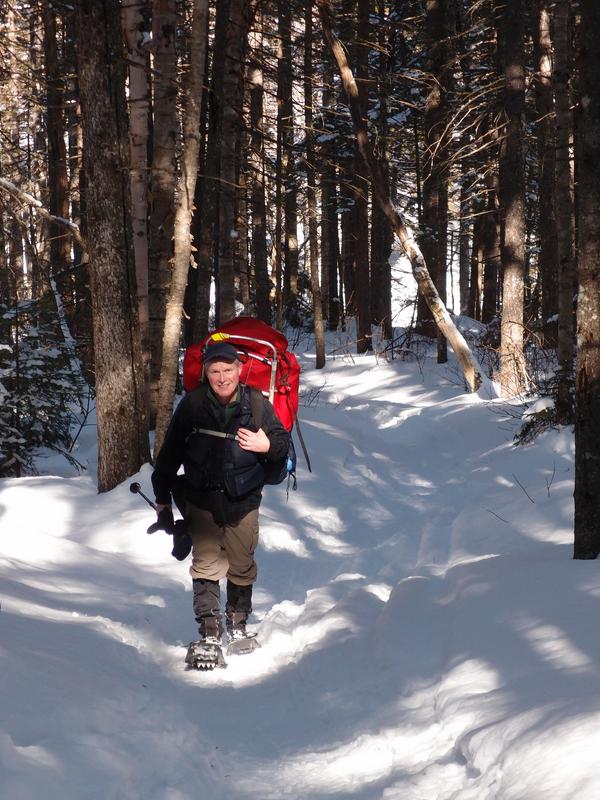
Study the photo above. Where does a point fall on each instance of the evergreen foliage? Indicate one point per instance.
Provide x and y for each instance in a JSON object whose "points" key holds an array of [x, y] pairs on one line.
{"points": [[40, 386], [549, 415]]}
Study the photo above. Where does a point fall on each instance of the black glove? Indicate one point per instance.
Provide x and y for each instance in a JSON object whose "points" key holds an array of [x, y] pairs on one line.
{"points": [[182, 543], [164, 522]]}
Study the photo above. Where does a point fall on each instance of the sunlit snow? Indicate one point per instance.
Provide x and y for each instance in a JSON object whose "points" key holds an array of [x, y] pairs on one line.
{"points": [[425, 632]]}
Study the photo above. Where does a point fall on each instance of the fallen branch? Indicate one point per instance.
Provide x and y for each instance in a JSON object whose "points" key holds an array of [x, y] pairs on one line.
{"points": [[30, 200], [471, 369]]}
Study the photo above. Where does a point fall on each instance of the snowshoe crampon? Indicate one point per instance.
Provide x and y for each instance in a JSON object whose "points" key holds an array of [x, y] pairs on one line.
{"points": [[243, 644], [205, 655]]}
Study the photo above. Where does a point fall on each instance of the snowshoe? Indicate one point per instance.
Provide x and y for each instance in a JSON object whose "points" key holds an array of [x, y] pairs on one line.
{"points": [[241, 643], [205, 655]]}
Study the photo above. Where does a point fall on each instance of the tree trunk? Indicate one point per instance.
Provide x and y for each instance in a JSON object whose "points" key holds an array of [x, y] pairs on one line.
{"points": [[242, 262], [471, 369], [81, 326], [285, 123], [240, 17], [183, 216], [491, 246], [139, 106], [257, 171], [513, 373], [464, 246], [120, 406], [477, 267], [197, 300], [564, 207], [587, 390], [381, 233], [206, 226], [348, 242], [163, 180], [58, 182], [435, 175], [311, 191], [277, 260], [330, 246], [548, 254]]}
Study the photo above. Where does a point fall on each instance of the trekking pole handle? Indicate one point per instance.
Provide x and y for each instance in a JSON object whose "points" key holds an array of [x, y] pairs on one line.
{"points": [[135, 488]]}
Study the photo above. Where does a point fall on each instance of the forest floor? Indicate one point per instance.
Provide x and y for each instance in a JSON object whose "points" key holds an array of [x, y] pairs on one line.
{"points": [[425, 632]]}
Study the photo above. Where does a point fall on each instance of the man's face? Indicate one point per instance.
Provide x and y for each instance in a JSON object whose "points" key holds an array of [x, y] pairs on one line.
{"points": [[223, 378]]}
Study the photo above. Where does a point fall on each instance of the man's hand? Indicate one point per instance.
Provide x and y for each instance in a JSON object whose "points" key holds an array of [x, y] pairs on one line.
{"points": [[164, 521], [254, 441]]}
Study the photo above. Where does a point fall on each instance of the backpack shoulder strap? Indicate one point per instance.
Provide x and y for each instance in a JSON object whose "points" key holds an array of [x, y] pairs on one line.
{"points": [[256, 406], [198, 397]]}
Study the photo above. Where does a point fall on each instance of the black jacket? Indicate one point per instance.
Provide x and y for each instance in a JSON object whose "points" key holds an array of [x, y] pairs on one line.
{"points": [[216, 469]]}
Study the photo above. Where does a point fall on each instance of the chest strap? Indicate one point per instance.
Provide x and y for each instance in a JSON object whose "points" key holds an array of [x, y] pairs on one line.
{"points": [[220, 434]]}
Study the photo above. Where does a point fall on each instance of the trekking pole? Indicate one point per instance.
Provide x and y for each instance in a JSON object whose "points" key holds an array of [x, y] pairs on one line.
{"points": [[135, 488]]}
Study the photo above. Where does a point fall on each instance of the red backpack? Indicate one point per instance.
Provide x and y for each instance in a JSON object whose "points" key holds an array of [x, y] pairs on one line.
{"points": [[267, 365]]}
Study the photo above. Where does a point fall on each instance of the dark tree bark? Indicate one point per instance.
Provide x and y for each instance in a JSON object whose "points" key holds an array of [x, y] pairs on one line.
{"points": [[548, 258], [311, 191], [348, 243], [382, 237], [82, 321], [205, 222], [464, 245], [277, 261], [330, 246], [120, 407], [477, 266], [243, 277], [587, 389], [564, 207], [205, 225], [360, 182], [435, 175], [58, 182], [197, 292], [241, 13], [285, 123], [491, 245], [257, 172]]}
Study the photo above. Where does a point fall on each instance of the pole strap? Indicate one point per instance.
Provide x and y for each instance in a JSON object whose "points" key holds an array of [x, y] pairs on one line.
{"points": [[304, 450]]}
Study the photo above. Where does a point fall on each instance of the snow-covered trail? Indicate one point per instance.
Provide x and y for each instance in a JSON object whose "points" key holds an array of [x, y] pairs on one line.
{"points": [[425, 633]]}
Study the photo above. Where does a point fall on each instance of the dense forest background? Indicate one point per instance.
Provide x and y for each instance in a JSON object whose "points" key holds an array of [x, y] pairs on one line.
{"points": [[166, 165]]}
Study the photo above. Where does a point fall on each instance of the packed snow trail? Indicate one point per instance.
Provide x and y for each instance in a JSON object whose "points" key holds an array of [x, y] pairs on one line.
{"points": [[425, 634]]}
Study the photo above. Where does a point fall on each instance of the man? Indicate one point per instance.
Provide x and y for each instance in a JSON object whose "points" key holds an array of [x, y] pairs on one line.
{"points": [[224, 455]]}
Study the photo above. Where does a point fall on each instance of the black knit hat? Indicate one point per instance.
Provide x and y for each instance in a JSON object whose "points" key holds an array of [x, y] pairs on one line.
{"points": [[223, 351]]}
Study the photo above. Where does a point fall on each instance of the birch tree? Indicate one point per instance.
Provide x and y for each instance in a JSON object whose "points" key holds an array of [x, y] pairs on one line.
{"points": [[183, 245]]}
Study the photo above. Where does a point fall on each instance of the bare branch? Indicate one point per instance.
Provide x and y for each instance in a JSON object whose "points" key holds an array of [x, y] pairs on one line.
{"points": [[28, 199]]}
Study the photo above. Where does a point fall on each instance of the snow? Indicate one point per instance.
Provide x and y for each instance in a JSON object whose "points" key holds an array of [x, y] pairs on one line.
{"points": [[425, 632]]}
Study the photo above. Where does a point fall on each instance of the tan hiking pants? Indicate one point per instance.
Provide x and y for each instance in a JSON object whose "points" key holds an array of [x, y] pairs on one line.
{"points": [[223, 550]]}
